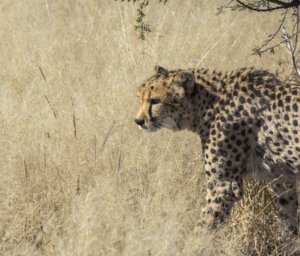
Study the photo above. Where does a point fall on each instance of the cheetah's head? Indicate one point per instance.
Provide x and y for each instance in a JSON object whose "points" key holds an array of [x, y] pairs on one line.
{"points": [[165, 100]]}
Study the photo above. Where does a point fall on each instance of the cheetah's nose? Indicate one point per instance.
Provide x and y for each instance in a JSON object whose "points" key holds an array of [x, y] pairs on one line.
{"points": [[139, 122]]}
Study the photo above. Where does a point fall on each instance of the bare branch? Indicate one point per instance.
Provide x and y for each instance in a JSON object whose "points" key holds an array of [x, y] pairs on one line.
{"points": [[272, 36], [260, 51], [281, 5], [290, 50], [296, 9], [226, 6]]}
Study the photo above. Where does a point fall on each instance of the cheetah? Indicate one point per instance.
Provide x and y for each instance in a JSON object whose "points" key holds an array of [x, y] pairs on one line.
{"points": [[248, 123]]}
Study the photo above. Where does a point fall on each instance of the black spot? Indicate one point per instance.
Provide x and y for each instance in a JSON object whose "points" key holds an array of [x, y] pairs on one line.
{"points": [[207, 174], [220, 143], [235, 170], [253, 110], [295, 107], [262, 102], [244, 89], [237, 157], [236, 126], [282, 201], [243, 132], [230, 117], [286, 142], [286, 117], [227, 126], [266, 92], [216, 214], [245, 112], [242, 99], [229, 163], [272, 96], [210, 185], [295, 123], [257, 93], [277, 144]]}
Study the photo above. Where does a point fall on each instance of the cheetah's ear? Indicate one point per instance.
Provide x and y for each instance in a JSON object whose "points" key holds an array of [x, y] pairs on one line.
{"points": [[187, 80], [160, 70]]}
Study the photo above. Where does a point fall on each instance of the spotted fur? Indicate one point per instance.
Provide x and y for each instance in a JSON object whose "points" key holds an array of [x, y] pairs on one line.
{"points": [[248, 123]]}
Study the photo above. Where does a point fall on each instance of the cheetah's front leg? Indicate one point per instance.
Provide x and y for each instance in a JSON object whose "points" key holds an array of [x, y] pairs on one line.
{"points": [[224, 173], [222, 193]]}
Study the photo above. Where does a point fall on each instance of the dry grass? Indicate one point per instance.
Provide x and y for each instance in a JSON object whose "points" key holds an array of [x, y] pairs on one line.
{"points": [[77, 176]]}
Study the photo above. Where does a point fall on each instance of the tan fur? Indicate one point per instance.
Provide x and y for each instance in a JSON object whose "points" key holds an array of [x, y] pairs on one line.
{"points": [[248, 123]]}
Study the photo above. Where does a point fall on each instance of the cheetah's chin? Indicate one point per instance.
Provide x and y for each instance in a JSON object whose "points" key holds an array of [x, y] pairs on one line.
{"points": [[146, 129]]}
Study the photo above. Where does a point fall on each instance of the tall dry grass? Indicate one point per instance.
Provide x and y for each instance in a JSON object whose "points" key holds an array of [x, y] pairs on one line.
{"points": [[77, 176]]}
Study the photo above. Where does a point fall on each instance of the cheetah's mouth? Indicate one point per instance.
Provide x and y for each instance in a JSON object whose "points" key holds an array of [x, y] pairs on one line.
{"points": [[152, 127]]}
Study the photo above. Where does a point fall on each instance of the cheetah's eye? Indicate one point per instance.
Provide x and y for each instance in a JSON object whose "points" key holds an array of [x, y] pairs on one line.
{"points": [[154, 101]]}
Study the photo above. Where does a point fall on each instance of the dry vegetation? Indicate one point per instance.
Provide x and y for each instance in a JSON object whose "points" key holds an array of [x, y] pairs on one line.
{"points": [[77, 176]]}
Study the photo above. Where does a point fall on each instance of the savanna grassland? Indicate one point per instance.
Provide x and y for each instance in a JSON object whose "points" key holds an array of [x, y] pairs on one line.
{"points": [[77, 176]]}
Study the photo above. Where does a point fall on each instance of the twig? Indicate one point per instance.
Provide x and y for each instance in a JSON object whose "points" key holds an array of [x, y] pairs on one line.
{"points": [[25, 170], [226, 6], [74, 120], [120, 159], [78, 186], [95, 147], [47, 7], [43, 75], [53, 111], [45, 156], [107, 134]]}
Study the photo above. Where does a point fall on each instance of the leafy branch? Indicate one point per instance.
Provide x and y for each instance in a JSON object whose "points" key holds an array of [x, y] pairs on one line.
{"points": [[141, 26]]}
